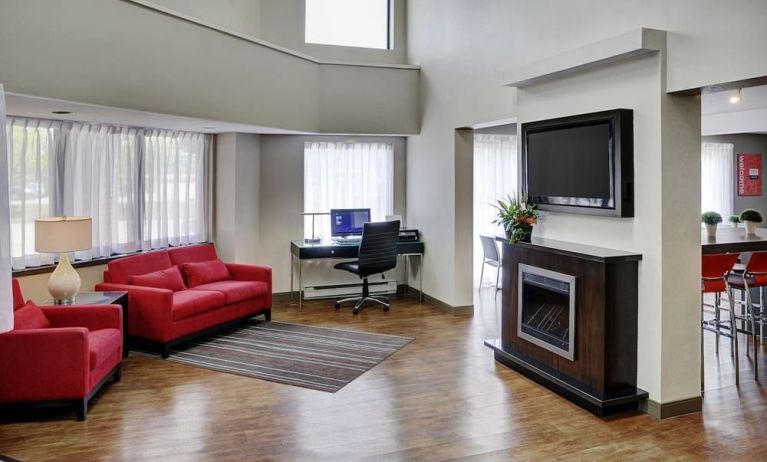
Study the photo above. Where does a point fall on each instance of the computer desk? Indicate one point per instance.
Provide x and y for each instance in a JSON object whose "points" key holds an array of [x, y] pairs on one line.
{"points": [[301, 251]]}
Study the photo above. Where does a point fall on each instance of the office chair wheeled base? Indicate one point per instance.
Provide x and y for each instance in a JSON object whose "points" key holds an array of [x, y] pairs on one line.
{"points": [[359, 301]]}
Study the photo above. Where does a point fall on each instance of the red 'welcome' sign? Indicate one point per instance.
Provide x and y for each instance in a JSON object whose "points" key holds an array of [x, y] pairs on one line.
{"points": [[749, 174]]}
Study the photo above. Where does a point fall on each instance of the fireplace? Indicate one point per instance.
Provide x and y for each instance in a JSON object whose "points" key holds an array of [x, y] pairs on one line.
{"points": [[546, 314]]}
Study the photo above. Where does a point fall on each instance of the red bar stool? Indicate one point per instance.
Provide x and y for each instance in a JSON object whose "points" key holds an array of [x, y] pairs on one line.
{"points": [[753, 277], [715, 270]]}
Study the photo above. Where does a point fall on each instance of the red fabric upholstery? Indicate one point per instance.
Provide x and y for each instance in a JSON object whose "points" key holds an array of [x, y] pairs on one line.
{"points": [[164, 279], [102, 344], [162, 315], [218, 316], [714, 270], [242, 272], [121, 270], [55, 363], [18, 299], [754, 274], [236, 291], [192, 253], [204, 272], [188, 303], [30, 317]]}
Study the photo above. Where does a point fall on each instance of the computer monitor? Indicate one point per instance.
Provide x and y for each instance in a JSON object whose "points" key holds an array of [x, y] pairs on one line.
{"points": [[348, 222]]}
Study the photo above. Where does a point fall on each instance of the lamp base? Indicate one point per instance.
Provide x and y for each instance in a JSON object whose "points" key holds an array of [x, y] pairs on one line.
{"points": [[64, 284]]}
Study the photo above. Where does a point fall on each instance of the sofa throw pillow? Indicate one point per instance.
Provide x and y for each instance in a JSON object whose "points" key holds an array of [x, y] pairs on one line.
{"points": [[169, 278], [204, 272], [30, 316]]}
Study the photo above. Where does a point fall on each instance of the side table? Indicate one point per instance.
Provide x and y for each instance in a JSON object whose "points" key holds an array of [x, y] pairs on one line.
{"points": [[104, 298]]}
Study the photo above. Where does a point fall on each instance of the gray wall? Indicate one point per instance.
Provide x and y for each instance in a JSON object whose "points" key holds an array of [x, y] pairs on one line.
{"points": [[746, 144], [120, 54]]}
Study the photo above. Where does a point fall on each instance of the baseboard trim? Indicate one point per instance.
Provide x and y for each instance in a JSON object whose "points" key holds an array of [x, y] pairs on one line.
{"points": [[284, 297], [672, 409]]}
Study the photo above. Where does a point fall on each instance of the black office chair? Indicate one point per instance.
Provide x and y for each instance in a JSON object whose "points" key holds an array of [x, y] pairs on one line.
{"points": [[377, 253]]}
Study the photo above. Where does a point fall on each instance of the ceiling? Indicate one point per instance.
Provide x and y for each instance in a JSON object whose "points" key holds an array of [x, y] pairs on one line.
{"points": [[721, 117], [42, 108]]}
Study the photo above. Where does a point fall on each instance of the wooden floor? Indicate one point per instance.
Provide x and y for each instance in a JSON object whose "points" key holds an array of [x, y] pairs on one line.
{"points": [[441, 397]]}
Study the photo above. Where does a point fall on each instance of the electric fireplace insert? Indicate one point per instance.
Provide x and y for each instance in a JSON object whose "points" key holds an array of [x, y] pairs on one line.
{"points": [[546, 314]]}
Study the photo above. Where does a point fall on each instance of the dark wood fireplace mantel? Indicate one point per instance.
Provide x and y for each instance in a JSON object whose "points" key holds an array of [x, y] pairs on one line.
{"points": [[600, 372]]}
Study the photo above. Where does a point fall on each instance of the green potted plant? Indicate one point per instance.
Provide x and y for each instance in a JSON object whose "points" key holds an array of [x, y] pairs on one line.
{"points": [[711, 219], [517, 217], [750, 218], [735, 220]]}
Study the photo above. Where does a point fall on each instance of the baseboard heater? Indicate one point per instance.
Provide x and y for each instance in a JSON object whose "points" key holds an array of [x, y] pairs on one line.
{"points": [[377, 286]]}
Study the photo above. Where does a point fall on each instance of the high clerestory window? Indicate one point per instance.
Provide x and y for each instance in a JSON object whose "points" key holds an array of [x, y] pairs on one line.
{"points": [[351, 23]]}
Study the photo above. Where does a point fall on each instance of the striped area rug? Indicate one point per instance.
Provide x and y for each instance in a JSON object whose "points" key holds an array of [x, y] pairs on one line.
{"points": [[311, 357]]}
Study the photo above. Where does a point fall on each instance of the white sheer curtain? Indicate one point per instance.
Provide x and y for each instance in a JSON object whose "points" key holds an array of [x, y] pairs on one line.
{"points": [[32, 152], [175, 206], [100, 182], [144, 188], [717, 178], [347, 175], [6, 298], [495, 177]]}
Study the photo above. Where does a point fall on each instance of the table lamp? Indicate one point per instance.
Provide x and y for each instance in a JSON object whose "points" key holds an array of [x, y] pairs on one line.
{"points": [[63, 235]]}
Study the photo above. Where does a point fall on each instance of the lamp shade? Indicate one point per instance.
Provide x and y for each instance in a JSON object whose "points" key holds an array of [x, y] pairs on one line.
{"points": [[62, 234]]}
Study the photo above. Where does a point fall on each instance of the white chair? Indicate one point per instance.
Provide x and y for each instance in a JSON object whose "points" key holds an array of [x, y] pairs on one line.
{"points": [[491, 257]]}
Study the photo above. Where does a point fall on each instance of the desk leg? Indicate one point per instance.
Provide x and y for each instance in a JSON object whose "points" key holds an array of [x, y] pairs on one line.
{"points": [[420, 281], [407, 274], [300, 289], [292, 267]]}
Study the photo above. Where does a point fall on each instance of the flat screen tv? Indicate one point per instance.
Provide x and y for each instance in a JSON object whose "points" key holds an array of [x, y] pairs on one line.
{"points": [[581, 164]]}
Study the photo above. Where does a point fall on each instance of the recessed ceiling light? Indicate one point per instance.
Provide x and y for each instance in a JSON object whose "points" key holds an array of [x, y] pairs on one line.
{"points": [[736, 98], [61, 112], [208, 128]]}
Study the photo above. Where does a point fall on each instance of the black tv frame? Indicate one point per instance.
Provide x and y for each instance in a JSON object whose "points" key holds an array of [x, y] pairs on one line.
{"points": [[621, 158]]}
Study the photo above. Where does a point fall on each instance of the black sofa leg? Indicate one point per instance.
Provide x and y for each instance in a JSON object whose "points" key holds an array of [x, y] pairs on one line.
{"points": [[268, 314], [118, 375], [81, 408], [165, 350]]}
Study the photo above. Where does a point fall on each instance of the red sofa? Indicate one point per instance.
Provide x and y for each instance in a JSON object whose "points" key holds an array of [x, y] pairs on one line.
{"points": [[178, 294], [59, 355]]}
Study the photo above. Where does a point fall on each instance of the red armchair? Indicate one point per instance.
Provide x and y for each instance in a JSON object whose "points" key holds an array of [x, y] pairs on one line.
{"points": [[178, 294], [59, 355]]}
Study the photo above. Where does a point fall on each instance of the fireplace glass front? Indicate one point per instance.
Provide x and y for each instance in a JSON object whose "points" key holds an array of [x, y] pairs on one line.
{"points": [[546, 309]]}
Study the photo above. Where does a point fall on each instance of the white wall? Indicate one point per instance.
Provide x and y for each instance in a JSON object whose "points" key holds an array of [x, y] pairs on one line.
{"points": [[465, 47], [243, 16], [120, 54], [270, 192]]}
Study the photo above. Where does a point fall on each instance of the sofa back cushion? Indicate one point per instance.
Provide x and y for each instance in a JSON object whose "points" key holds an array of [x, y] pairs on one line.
{"points": [[30, 316], [192, 253], [122, 269], [205, 272], [18, 299], [164, 279]]}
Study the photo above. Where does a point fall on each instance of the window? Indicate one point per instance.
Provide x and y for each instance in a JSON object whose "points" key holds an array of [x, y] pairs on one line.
{"points": [[351, 23], [495, 177], [345, 176], [717, 186], [144, 189]]}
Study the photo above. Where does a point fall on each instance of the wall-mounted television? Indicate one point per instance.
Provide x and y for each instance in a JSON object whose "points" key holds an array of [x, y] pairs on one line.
{"points": [[581, 164]]}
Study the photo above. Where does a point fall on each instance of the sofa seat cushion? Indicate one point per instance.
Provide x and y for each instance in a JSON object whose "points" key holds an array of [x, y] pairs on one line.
{"points": [[237, 291], [188, 303], [30, 316], [204, 272], [170, 279], [103, 344]]}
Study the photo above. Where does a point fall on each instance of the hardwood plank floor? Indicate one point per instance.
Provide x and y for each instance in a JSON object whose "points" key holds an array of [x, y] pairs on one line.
{"points": [[441, 397]]}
